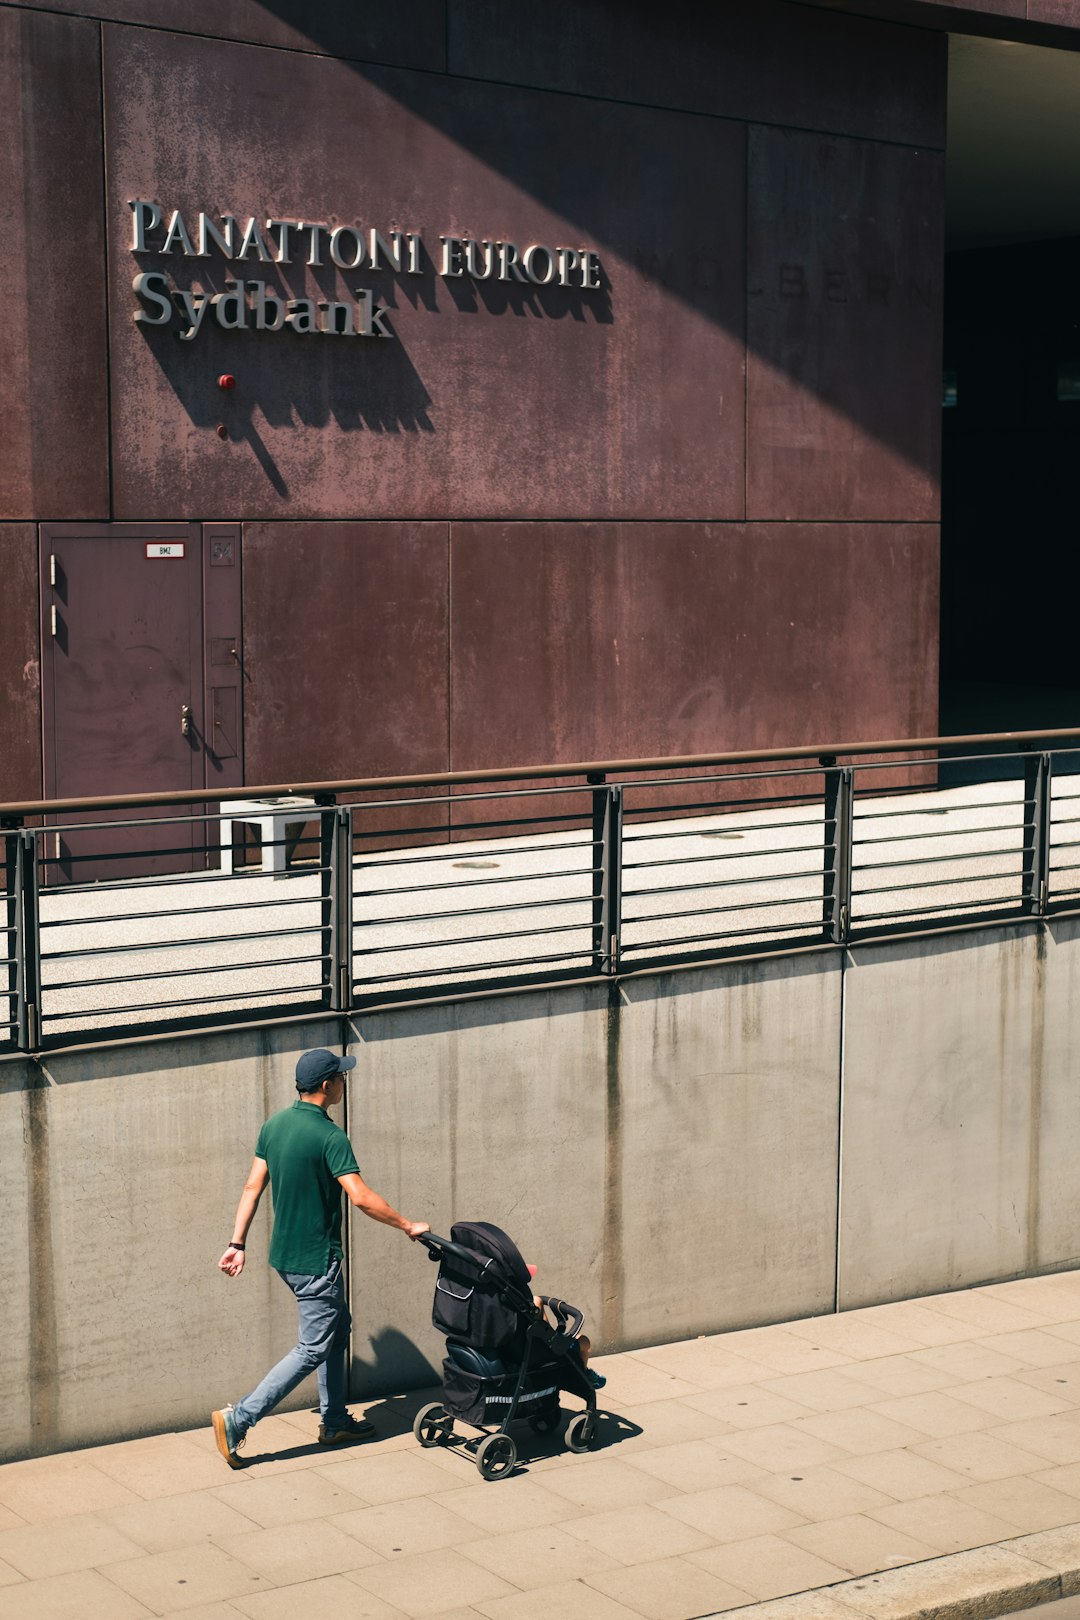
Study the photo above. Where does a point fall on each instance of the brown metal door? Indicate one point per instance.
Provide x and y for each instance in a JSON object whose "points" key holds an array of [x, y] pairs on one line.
{"points": [[122, 687]]}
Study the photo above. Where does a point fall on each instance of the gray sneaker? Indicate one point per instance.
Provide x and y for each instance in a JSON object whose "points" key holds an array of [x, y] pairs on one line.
{"points": [[228, 1437]]}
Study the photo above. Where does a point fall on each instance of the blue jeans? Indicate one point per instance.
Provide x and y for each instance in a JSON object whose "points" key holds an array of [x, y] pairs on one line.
{"points": [[324, 1344]]}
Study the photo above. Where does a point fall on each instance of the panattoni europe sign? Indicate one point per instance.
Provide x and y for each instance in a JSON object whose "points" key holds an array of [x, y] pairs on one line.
{"points": [[254, 305]]}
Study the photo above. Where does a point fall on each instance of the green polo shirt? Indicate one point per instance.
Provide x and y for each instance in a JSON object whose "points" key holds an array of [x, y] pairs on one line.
{"points": [[305, 1153]]}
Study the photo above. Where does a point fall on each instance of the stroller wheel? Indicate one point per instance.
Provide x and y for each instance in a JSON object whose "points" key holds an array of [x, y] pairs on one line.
{"points": [[545, 1422], [433, 1425], [580, 1431], [496, 1456]]}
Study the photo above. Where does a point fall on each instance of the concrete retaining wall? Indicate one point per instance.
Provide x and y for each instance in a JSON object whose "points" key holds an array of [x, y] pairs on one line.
{"points": [[669, 1153]]}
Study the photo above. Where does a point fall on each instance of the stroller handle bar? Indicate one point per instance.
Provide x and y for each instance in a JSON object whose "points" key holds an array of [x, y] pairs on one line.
{"points": [[565, 1314], [440, 1245]]}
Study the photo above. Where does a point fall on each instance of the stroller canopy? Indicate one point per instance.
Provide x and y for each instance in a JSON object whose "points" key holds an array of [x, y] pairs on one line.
{"points": [[486, 1300]]}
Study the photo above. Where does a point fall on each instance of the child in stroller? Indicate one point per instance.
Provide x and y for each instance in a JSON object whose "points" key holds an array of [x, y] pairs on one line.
{"points": [[504, 1358]]}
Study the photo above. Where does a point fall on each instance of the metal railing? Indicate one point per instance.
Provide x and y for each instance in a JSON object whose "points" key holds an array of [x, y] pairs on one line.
{"points": [[427, 888]]}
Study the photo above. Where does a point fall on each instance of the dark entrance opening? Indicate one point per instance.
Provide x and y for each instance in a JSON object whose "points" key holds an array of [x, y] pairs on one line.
{"points": [[1010, 557], [141, 686]]}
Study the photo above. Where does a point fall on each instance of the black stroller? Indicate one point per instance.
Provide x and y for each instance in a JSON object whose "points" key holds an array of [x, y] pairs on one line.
{"points": [[503, 1359]]}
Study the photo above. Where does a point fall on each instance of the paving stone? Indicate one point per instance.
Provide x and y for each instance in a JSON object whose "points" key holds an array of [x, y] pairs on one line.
{"points": [[63, 1545], [703, 1363], [1012, 1399], [860, 1544], [83, 1595], [1032, 1346], [820, 1493], [634, 1382], [538, 1557], [520, 1503], [947, 1523], [731, 1513], [894, 1376], [979, 1456], [629, 1533], [830, 1389], [748, 1406], [600, 1483], [287, 1498], [782, 1350], [768, 1566], [968, 1360], [10, 1520], [912, 1320], [662, 1423], [984, 1312], [388, 1477], [9, 1575], [901, 1474], [178, 1521], [394, 1529], [1061, 1382], [935, 1413], [696, 1465], [421, 1584], [569, 1600], [854, 1333], [1055, 1438], [327, 1597], [287, 1554], [56, 1487], [966, 1586], [859, 1430], [1023, 1501], [803, 1606], [670, 1589], [158, 1465], [169, 1581], [1055, 1296], [780, 1449]]}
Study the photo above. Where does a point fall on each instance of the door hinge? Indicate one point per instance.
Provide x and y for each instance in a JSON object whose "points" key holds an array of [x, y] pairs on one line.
{"points": [[52, 619]]}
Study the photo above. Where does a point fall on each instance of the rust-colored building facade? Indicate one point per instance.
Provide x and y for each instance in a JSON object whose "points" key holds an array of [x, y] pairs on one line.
{"points": [[586, 381]]}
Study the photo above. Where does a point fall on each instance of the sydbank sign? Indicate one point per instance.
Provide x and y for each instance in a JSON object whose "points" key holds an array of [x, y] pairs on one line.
{"points": [[251, 304]]}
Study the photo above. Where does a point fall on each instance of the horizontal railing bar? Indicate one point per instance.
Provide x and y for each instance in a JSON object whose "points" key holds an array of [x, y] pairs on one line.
{"points": [[181, 944], [185, 1001], [1066, 843], [177, 973], [695, 939], [310, 813], [779, 801], [714, 911], [737, 832], [935, 810], [1071, 866], [935, 883], [1024, 742], [153, 854], [937, 832], [471, 939], [472, 911], [721, 883], [934, 860], [177, 911], [922, 911], [727, 855], [170, 881], [463, 852], [474, 883], [469, 967]]}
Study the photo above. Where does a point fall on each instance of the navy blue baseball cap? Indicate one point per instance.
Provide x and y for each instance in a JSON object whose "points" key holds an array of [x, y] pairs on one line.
{"points": [[313, 1069]]}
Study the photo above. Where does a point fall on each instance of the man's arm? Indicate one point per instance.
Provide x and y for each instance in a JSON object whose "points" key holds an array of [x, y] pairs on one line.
{"points": [[232, 1261], [361, 1196]]}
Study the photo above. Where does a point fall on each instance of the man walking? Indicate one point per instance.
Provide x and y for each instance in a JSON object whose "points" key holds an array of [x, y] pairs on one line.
{"points": [[307, 1161]]}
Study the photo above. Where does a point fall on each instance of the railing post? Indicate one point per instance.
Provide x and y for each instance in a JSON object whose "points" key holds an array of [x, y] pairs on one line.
{"points": [[839, 831], [607, 874], [9, 828], [27, 943], [1035, 873], [341, 909], [327, 803]]}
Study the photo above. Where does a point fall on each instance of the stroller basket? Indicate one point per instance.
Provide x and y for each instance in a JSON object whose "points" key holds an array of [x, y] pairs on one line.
{"points": [[504, 1360]]}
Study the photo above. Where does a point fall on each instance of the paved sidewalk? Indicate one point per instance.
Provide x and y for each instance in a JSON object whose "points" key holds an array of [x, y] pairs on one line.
{"points": [[855, 1460]]}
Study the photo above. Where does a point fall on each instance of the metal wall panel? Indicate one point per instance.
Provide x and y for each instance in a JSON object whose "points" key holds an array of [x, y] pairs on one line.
{"points": [[20, 669], [762, 60], [649, 639], [844, 306], [52, 292], [492, 399], [346, 659], [412, 35]]}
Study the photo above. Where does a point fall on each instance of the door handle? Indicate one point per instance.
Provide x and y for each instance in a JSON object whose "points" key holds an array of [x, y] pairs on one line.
{"points": [[185, 719]]}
